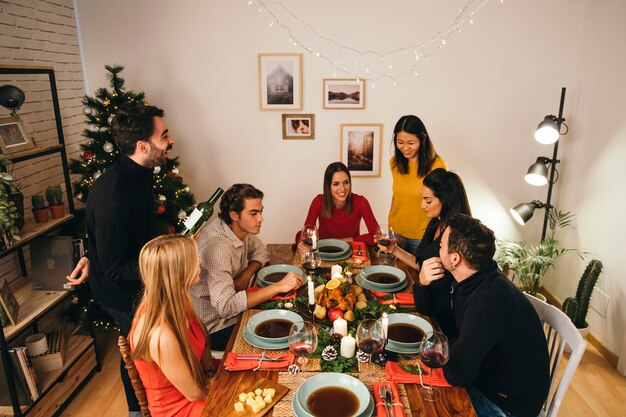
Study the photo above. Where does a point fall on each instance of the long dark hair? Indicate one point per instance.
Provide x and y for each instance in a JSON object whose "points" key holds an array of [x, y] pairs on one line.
{"points": [[327, 200], [448, 188], [426, 154]]}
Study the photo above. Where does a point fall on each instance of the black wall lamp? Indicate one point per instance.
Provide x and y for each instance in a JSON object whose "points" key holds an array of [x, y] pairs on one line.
{"points": [[12, 98], [548, 132]]}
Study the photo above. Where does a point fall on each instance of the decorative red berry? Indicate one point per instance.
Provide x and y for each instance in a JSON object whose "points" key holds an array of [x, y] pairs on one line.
{"points": [[161, 209], [88, 154], [171, 230]]}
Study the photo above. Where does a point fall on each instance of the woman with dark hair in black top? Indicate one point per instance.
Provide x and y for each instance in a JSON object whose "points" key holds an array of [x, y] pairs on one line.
{"points": [[443, 196]]}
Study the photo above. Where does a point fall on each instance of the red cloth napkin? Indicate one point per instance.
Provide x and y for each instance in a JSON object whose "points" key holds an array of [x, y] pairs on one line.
{"points": [[359, 251], [396, 374], [232, 363], [380, 408], [404, 298], [289, 296]]}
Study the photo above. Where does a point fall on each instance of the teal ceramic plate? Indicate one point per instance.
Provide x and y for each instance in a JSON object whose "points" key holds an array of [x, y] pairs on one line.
{"points": [[412, 320], [270, 270], [399, 275], [299, 412], [394, 347], [336, 243], [266, 315], [261, 344], [372, 286]]}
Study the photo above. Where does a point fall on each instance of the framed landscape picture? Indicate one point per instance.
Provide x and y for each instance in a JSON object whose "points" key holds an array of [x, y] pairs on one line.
{"points": [[13, 136], [280, 81], [361, 148], [298, 126], [344, 93]]}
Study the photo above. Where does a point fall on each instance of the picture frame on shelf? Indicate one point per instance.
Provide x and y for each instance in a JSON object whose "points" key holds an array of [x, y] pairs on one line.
{"points": [[298, 126], [280, 81], [360, 148], [344, 93], [13, 135], [9, 302]]}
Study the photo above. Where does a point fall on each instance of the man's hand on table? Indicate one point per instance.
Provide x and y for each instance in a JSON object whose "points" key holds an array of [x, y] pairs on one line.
{"points": [[291, 282]]}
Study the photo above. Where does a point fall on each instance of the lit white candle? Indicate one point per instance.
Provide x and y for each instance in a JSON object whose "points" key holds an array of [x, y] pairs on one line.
{"points": [[336, 269], [314, 241], [348, 346], [311, 291], [385, 322], [340, 326]]}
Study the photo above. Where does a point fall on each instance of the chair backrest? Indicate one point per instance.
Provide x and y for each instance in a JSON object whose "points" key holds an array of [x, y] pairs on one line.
{"points": [[140, 392], [560, 331]]}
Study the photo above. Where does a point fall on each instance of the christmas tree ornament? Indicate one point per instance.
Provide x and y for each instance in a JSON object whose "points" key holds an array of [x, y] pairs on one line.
{"points": [[96, 175], [293, 369], [182, 215], [171, 230], [108, 147], [329, 353], [93, 128], [180, 180], [156, 169], [88, 154], [175, 170], [110, 119], [106, 102], [162, 197], [87, 111], [79, 196], [362, 356], [161, 209], [103, 129], [186, 189]]}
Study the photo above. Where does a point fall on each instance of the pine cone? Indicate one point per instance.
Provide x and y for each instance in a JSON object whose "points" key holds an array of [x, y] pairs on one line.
{"points": [[329, 353], [379, 359], [336, 338], [362, 356]]}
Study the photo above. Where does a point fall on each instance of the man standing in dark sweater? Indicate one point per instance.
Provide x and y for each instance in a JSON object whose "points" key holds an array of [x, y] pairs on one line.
{"points": [[501, 355], [120, 219]]}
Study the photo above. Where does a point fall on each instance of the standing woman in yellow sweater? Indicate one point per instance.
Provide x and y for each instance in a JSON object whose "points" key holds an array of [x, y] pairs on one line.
{"points": [[414, 158]]}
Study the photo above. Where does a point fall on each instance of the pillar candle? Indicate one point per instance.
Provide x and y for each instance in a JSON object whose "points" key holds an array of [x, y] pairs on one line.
{"points": [[348, 346], [340, 326], [311, 291], [335, 269], [314, 241], [385, 323]]}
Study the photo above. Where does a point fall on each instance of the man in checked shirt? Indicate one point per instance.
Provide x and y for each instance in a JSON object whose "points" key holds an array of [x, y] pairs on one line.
{"points": [[230, 254]]}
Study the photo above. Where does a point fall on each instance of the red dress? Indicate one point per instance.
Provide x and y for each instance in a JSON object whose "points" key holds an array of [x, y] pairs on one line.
{"points": [[164, 399]]}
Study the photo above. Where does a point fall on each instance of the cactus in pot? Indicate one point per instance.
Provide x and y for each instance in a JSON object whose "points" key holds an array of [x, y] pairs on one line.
{"points": [[577, 307], [40, 211], [55, 201]]}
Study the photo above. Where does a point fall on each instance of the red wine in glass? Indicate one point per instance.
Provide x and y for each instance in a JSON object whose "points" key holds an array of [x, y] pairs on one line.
{"points": [[433, 359], [434, 354], [301, 349], [384, 241], [371, 345], [310, 267], [308, 241]]}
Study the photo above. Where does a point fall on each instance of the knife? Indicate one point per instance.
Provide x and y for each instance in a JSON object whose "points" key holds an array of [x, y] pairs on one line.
{"points": [[389, 399]]}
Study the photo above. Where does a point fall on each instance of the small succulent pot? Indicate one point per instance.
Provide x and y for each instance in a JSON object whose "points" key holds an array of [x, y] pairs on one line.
{"points": [[55, 201], [57, 211], [40, 211]]}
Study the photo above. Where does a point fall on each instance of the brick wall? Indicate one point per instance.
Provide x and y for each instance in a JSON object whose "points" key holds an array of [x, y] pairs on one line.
{"points": [[42, 33]]}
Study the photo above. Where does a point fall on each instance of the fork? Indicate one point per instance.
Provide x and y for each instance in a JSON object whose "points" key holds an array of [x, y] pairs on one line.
{"points": [[382, 392], [256, 357], [389, 398]]}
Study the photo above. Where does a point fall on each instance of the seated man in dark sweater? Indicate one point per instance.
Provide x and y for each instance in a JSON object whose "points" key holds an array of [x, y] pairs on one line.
{"points": [[501, 354]]}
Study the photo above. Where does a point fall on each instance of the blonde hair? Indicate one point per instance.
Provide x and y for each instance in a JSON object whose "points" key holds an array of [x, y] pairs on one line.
{"points": [[168, 265]]}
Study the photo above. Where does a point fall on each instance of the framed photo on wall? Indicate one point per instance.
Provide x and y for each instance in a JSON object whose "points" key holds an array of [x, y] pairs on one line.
{"points": [[280, 81], [13, 136], [344, 93], [361, 148], [298, 126]]}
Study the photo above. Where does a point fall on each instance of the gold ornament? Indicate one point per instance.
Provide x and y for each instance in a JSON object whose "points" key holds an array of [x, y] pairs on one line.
{"points": [[106, 102]]}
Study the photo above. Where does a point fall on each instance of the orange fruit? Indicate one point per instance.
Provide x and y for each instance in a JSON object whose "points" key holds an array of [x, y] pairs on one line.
{"points": [[332, 284]]}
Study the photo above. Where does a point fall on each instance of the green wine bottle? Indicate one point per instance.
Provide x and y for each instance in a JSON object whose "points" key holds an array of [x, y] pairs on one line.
{"points": [[201, 214]]}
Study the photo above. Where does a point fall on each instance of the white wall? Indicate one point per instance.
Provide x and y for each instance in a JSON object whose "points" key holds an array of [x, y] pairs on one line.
{"points": [[481, 98]]}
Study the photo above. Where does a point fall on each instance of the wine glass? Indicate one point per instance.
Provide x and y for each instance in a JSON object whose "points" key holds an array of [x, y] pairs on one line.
{"points": [[434, 354], [370, 336], [311, 261], [302, 340], [309, 235], [384, 236]]}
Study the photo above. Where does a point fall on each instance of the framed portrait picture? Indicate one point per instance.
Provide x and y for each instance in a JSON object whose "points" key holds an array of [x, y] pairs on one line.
{"points": [[344, 93], [13, 136], [298, 126], [361, 148], [280, 81]]}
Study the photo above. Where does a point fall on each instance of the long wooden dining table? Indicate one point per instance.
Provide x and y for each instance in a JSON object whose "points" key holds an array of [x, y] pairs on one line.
{"points": [[454, 400]]}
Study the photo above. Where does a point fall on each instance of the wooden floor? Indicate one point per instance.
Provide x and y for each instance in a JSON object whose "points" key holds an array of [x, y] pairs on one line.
{"points": [[597, 390]]}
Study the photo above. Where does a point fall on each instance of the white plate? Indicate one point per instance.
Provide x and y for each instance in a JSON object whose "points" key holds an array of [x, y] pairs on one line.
{"points": [[413, 320], [299, 412], [371, 286], [256, 342], [266, 315]]}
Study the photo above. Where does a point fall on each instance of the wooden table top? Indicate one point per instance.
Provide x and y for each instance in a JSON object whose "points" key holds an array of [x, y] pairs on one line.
{"points": [[454, 401]]}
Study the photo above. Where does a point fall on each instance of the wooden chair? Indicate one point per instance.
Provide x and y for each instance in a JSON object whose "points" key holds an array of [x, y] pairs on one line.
{"points": [[560, 331], [140, 392]]}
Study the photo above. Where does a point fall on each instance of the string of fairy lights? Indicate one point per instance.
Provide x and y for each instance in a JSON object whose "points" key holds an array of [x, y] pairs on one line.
{"points": [[368, 61]]}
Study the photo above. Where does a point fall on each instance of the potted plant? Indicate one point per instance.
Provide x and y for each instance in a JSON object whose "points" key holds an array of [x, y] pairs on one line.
{"points": [[55, 201], [40, 211], [529, 263], [13, 189], [577, 307], [8, 211]]}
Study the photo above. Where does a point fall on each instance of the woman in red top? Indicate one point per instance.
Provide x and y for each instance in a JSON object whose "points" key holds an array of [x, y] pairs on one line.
{"points": [[168, 341], [339, 211]]}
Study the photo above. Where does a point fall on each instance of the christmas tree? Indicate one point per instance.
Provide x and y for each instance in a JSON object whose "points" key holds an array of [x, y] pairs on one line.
{"points": [[173, 200]]}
